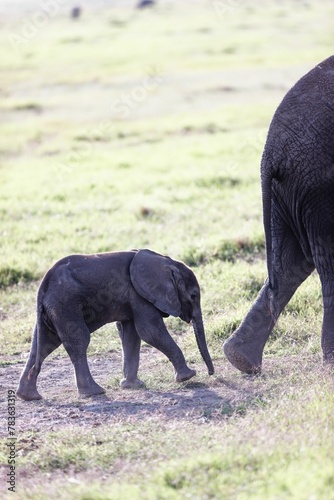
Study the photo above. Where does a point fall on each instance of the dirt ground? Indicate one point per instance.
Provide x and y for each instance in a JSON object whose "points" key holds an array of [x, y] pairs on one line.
{"points": [[62, 405], [203, 398]]}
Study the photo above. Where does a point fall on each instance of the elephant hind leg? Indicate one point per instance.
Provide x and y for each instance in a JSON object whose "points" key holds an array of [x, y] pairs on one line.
{"points": [[76, 337], [27, 389], [245, 346], [327, 333], [324, 259], [322, 244], [290, 267]]}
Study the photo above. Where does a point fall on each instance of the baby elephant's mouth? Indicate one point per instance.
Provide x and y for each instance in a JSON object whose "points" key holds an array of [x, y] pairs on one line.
{"points": [[186, 317]]}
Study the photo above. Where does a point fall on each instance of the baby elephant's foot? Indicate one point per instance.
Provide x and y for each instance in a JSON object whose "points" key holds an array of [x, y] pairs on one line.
{"points": [[132, 384], [185, 374], [92, 390], [27, 395]]}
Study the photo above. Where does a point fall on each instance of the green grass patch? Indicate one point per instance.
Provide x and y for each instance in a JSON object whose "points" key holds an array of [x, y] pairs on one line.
{"points": [[12, 276]]}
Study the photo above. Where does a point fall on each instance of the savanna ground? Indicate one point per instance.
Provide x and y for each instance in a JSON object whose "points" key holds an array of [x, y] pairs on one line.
{"points": [[130, 129]]}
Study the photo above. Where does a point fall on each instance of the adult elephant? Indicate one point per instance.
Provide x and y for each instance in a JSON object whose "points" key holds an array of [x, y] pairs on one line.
{"points": [[297, 174]]}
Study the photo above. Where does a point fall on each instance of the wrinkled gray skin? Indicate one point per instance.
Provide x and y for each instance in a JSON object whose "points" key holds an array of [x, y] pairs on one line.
{"points": [[81, 293], [297, 174]]}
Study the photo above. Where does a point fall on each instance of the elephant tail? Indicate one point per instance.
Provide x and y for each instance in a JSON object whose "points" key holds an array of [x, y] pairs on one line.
{"points": [[266, 181], [38, 329]]}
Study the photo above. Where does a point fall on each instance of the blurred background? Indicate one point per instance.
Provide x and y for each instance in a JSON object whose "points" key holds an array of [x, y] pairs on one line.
{"points": [[128, 124], [130, 109]]}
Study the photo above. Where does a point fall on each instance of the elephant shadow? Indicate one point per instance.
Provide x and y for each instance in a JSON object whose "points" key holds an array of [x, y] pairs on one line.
{"points": [[194, 401]]}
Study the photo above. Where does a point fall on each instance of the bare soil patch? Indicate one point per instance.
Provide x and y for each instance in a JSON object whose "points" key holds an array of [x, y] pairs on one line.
{"points": [[203, 398]]}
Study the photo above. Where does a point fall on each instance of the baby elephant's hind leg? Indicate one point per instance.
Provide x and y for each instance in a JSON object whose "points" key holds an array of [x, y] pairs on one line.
{"points": [[27, 389], [76, 337], [131, 351]]}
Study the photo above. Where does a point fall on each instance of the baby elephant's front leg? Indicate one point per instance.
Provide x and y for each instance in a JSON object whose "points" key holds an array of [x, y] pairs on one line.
{"points": [[151, 328], [131, 351]]}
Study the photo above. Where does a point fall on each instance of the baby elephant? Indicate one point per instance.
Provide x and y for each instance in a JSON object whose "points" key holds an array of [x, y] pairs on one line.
{"points": [[81, 293]]}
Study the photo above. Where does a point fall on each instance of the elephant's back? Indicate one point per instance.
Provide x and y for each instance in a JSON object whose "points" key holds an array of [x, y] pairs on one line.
{"points": [[301, 134]]}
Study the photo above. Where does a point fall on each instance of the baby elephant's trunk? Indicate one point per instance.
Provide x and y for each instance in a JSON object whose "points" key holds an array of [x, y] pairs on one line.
{"points": [[201, 342]]}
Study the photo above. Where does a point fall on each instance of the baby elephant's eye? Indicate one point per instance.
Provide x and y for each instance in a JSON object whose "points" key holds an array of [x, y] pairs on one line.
{"points": [[193, 296]]}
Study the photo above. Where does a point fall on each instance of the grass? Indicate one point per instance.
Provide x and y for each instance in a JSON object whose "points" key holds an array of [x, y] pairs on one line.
{"points": [[131, 129]]}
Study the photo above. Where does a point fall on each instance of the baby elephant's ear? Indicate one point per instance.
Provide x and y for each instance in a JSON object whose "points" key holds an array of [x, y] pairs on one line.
{"points": [[154, 278]]}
